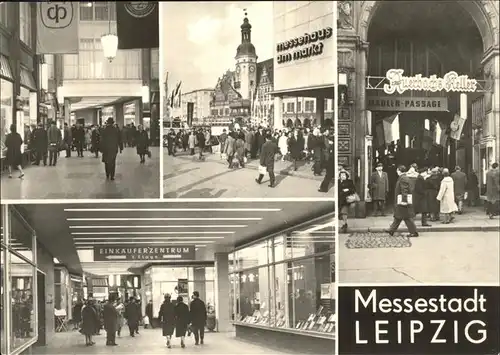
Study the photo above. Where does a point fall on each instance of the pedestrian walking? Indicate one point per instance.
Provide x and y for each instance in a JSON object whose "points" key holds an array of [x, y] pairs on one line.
{"points": [[182, 320], [14, 156], [493, 191], [166, 317], [111, 144], [110, 316], [90, 321], [133, 316], [267, 154], [198, 315]]}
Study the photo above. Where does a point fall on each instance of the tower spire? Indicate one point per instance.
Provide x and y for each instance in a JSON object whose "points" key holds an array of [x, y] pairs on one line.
{"points": [[246, 29]]}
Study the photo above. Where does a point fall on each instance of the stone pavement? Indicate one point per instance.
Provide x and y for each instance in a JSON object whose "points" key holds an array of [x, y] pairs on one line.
{"points": [[187, 177], [150, 341], [474, 219], [84, 178], [433, 258]]}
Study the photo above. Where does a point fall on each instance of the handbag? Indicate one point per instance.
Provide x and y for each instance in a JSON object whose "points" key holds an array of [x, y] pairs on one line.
{"points": [[245, 160], [262, 170], [148, 153], [352, 198]]}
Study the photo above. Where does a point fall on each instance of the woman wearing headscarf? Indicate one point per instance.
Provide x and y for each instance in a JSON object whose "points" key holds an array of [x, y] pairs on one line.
{"points": [[182, 320], [167, 318], [346, 190]]}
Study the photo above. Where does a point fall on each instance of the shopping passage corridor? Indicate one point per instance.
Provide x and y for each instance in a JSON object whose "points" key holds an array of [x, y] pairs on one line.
{"points": [[85, 178]]}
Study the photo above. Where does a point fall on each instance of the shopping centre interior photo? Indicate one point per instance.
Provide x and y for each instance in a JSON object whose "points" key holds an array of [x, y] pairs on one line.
{"points": [[265, 270]]}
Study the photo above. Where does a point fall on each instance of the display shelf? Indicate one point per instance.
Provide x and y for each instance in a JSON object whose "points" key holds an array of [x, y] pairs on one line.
{"points": [[309, 333]]}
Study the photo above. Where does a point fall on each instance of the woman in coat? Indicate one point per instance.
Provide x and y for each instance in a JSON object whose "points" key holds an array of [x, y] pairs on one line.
{"points": [[432, 185], [446, 197], [182, 320], [283, 145], [239, 147], [346, 188], [296, 143], [167, 318], [229, 148], [120, 310], [142, 143], [14, 157], [420, 197], [90, 321], [191, 142]]}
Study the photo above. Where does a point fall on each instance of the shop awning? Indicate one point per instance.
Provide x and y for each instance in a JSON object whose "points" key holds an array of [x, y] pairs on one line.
{"points": [[27, 79], [5, 70], [325, 91]]}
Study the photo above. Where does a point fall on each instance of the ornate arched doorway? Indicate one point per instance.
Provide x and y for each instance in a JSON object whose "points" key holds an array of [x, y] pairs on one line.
{"points": [[460, 36]]}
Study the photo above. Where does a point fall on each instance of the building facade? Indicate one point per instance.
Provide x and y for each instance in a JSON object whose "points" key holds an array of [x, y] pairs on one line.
{"points": [[195, 105], [245, 94], [450, 116]]}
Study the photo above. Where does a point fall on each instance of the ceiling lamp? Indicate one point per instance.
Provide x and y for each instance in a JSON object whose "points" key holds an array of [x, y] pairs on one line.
{"points": [[109, 41]]}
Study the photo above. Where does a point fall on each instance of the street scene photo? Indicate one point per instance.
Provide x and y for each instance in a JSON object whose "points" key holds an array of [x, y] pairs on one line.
{"points": [[248, 105], [169, 277], [80, 97], [418, 142]]}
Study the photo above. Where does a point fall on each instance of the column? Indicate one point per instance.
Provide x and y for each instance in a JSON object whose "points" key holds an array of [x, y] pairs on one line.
{"points": [[138, 112], [491, 64], [119, 115], [200, 282], [319, 118], [222, 291], [67, 111], [278, 113]]}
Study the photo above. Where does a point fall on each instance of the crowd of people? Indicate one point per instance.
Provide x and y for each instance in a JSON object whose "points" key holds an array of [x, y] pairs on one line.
{"points": [[239, 145], [112, 315], [435, 193], [46, 144]]}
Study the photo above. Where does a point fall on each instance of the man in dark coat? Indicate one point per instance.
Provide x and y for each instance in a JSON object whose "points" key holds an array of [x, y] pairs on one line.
{"points": [[420, 202], [493, 190], [267, 153], [459, 187], [40, 144], [296, 145], [54, 138], [181, 320], [149, 313], [432, 186], [111, 142], [79, 139], [379, 188], [133, 316], [330, 167], [68, 140], [403, 204], [95, 140], [198, 313], [110, 316]]}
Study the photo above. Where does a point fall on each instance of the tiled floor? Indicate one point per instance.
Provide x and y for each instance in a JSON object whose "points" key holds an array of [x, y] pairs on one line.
{"points": [[150, 341], [84, 178]]}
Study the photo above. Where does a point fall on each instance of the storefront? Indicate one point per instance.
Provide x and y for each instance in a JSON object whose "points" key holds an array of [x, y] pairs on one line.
{"points": [[6, 99], [304, 56], [178, 281], [27, 286], [282, 288], [409, 94]]}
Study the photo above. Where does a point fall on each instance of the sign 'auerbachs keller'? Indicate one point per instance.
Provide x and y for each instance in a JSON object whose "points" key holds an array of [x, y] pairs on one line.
{"points": [[136, 252]]}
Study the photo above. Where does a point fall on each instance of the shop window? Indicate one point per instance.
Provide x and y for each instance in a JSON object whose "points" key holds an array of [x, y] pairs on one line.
{"points": [[23, 325], [290, 107], [49, 60], [155, 63], [252, 256], [327, 107], [299, 106], [254, 296], [6, 108], [25, 23], [309, 106]]}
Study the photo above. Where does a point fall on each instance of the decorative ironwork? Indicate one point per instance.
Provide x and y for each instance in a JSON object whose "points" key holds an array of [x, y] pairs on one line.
{"points": [[370, 240]]}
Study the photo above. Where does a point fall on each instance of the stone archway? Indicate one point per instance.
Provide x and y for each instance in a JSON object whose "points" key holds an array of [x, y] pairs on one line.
{"points": [[483, 12]]}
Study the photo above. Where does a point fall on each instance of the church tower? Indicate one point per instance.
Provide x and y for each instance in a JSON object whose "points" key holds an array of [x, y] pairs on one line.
{"points": [[246, 62]]}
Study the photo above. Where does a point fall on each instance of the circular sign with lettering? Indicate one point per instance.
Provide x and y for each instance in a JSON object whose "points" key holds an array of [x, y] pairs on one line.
{"points": [[140, 9]]}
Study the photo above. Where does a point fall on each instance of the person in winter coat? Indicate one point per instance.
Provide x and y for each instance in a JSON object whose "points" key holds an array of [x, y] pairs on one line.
{"points": [[296, 144], [182, 320], [420, 201], [90, 321], [267, 154], [166, 317], [120, 310], [239, 146], [460, 186], [229, 148], [403, 202], [283, 145], [432, 185], [40, 144], [192, 142], [200, 138], [493, 190], [142, 143], [111, 143], [198, 315], [110, 316], [379, 188], [446, 197], [249, 138], [94, 141], [472, 188], [346, 189], [14, 157], [133, 316]]}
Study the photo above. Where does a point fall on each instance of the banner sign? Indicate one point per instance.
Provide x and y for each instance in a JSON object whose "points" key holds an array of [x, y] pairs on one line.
{"points": [[57, 27], [419, 320], [163, 253], [451, 82], [313, 41], [137, 24], [401, 103]]}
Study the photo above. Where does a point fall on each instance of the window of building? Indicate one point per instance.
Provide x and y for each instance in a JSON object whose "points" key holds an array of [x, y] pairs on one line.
{"points": [[309, 106], [4, 16], [290, 107], [299, 106], [86, 11], [98, 11], [227, 112], [25, 23], [326, 105], [155, 63], [49, 60], [70, 66]]}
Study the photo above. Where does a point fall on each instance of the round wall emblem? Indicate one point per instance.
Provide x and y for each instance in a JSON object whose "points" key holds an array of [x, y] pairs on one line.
{"points": [[140, 9]]}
